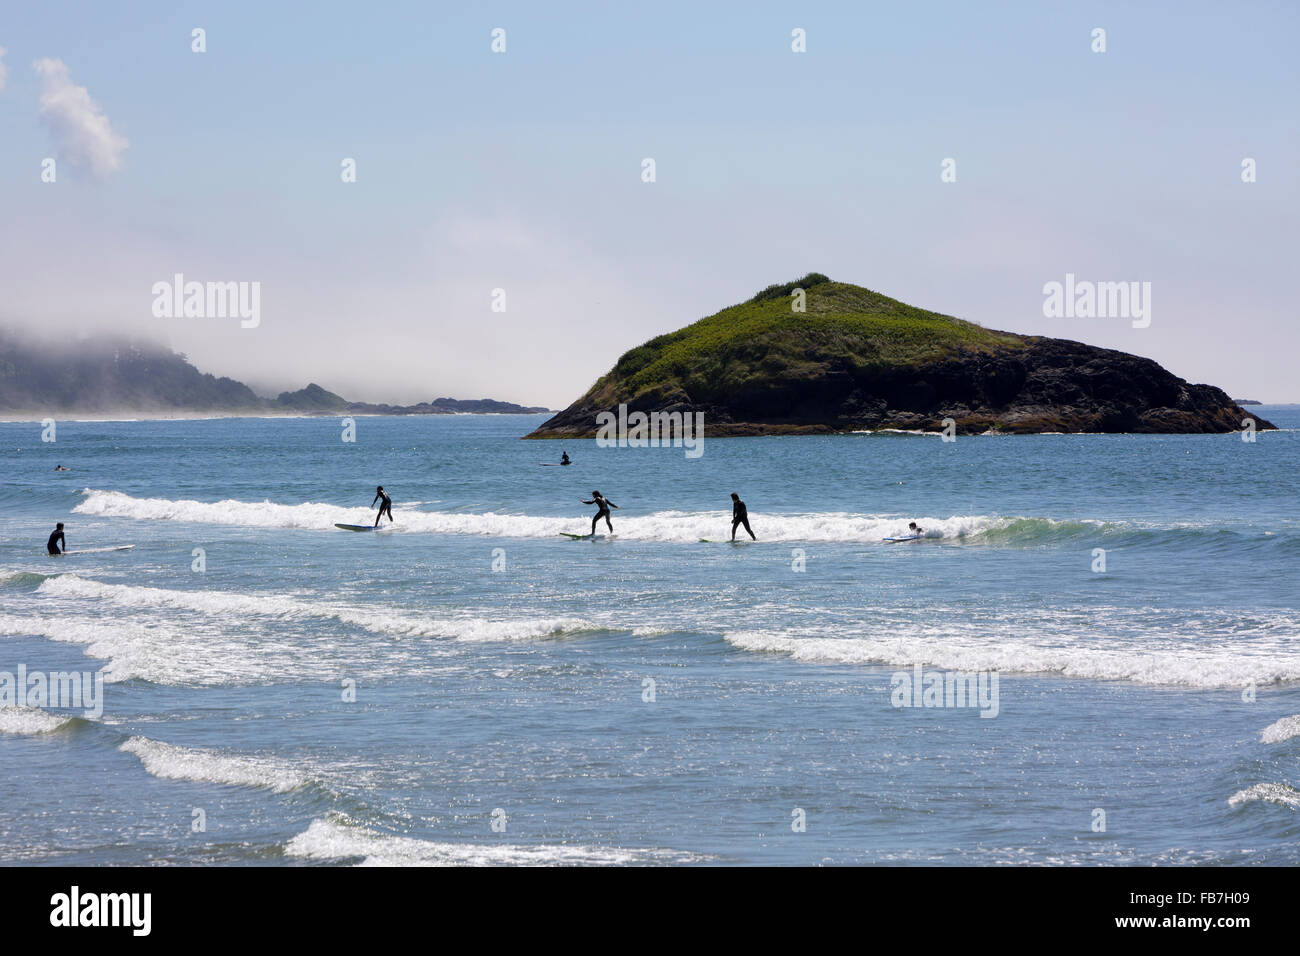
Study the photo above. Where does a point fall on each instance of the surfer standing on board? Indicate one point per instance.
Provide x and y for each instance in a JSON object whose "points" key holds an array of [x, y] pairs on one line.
{"points": [[739, 516], [385, 506], [56, 539], [604, 504]]}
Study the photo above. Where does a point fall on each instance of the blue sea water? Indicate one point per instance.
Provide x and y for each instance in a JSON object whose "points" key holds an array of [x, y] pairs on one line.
{"points": [[468, 686]]}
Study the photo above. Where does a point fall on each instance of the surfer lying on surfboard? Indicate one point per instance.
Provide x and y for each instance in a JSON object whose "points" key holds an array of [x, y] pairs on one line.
{"points": [[914, 533], [56, 539], [604, 504], [385, 506]]}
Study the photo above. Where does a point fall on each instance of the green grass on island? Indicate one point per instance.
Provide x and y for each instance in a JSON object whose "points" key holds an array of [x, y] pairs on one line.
{"points": [[845, 327]]}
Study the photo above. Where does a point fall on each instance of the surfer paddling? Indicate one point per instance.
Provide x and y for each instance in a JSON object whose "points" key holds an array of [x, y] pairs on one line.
{"points": [[739, 516], [385, 506], [56, 539], [604, 504]]}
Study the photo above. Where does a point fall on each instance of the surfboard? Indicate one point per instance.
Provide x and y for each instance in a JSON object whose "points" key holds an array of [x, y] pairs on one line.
{"points": [[584, 537], [357, 527], [117, 547], [907, 537], [711, 541], [554, 464]]}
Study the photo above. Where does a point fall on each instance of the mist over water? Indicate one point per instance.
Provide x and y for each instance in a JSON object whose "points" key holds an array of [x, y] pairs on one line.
{"points": [[524, 689]]}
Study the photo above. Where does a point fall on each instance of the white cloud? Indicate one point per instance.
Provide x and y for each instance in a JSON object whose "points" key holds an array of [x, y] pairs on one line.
{"points": [[81, 131], [4, 73]]}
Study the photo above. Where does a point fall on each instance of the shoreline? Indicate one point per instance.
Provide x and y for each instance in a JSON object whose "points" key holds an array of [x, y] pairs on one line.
{"points": [[222, 416]]}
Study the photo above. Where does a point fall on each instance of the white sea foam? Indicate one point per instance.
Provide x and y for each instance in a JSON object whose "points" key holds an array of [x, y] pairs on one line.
{"points": [[194, 654], [121, 644], [212, 653], [1278, 793], [377, 620], [16, 719], [219, 638], [1284, 729], [672, 526], [1100, 643], [335, 838], [962, 647], [208, 766], [897, 431]]}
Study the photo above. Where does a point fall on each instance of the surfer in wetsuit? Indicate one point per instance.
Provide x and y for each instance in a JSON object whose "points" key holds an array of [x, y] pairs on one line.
{"points": [[913, 529], [739, 516], [56, 539], [564, 458], [604, 504], [386, 506]]}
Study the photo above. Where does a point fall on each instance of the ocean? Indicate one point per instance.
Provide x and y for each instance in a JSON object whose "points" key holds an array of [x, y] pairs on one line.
{"points": [[468, 686]]}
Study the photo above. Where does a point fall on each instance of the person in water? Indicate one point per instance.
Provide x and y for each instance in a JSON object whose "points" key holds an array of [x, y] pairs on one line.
{"points": [[59, 468], [604, 504], [57, 539], [386, 506], [912, 528], [564, 458], [739, 516]]}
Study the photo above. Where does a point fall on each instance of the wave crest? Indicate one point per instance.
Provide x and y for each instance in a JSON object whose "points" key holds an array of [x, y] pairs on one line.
{"points": [[337, 838]]}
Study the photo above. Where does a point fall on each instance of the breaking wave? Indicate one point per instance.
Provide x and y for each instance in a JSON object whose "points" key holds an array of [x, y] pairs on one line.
{"points": [[337, 838]]}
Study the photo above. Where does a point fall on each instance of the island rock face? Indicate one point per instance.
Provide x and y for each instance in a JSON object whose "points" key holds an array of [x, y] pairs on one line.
{"points": [[856, 359]]}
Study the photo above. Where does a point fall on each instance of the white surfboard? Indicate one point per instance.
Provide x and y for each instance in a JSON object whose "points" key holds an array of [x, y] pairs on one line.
{"points": [[119, 547]]}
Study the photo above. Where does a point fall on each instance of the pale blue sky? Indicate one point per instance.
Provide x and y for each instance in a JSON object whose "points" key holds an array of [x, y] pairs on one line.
{"points": [[522, 171]]}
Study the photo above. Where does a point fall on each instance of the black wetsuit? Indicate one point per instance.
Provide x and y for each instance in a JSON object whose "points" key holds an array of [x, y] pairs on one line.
{"points": [[603, 503], [385, 508], [56, 539], [739, 516]]}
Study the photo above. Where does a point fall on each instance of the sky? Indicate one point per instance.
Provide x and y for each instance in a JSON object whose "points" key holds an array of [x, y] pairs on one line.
{"points": [[522, 171]]}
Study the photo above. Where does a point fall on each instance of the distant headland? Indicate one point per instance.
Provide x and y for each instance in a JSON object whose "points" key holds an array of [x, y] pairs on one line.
{"points": [[106, 375], [854, 359]]}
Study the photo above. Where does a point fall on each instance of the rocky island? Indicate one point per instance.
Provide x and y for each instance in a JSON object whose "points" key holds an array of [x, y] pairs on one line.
{"points": [[855, 359]]}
